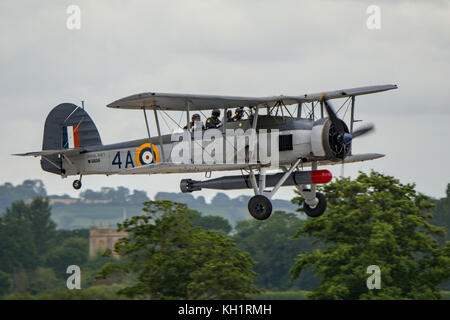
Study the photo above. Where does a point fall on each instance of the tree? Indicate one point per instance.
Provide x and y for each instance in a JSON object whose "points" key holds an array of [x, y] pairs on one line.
{"points": [[42, 226], [89, 194], [138, 197], [17, 246], [73, 251], [441, 214], [30, 223], [42, 279], [375, 220], [61, 235], [91, 268], [27, 190], [173, 259], [213, 223], [272, 245], [5, 283], [441, 218]]}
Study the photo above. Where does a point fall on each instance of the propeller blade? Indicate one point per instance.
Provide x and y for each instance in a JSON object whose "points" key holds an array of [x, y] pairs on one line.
{"points": [[333, 117], [362, 131]]}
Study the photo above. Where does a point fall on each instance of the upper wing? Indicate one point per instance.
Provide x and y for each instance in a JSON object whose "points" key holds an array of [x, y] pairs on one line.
{"points": [[50, 152], [180, 102], [346, 92]]}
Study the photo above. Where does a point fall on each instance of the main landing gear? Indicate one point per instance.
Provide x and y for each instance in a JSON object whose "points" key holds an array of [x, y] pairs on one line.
{"points": [[77, 184], [260, 207], [315, 203], [317, 207]]}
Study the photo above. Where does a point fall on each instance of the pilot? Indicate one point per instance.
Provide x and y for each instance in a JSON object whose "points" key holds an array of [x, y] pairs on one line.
{"points": [[213, 121], [238, 114], [196, 122], [229, 116]]}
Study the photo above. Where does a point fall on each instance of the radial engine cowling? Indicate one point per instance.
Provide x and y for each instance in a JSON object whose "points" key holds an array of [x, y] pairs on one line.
{"points": [[326, 142]]}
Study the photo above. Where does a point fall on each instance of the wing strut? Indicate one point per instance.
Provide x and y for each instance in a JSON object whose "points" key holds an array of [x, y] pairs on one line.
{"points": [[146, 123], [352, 121], [352, 114], [187, 126], [159, 133], [52, 163]]}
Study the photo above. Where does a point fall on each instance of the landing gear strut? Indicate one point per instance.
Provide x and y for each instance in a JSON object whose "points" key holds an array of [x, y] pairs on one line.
{"points": [[259, 205], [77, 184], [315, 203]]}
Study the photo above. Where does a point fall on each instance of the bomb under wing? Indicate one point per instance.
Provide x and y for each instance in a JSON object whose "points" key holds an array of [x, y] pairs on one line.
{"points": [[244, 182]]}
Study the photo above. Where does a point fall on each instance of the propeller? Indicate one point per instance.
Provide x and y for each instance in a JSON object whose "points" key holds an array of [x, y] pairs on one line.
{"points": [[344, 138]]}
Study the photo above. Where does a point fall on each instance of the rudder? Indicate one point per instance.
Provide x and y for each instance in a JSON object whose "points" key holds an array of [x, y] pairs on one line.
{"points": [[67, 126]]}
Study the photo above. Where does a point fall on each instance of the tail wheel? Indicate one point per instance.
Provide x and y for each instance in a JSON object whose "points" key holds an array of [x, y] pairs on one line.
{"points": [[260, 207], [319, 209], [76, 184]]}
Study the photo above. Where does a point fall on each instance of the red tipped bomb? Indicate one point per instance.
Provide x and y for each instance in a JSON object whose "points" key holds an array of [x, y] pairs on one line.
{"points": [[321, 176]]}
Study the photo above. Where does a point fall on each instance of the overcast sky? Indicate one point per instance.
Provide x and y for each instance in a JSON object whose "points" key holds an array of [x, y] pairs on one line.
{"points": [[248, 48]]}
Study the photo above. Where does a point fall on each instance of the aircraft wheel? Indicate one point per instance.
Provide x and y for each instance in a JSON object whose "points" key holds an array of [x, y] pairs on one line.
{"points": [[260, 207], [318, 210], [76, 184]]}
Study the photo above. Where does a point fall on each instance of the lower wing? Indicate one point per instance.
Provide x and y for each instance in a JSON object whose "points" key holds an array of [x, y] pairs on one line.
{"points": [[172, 167]]}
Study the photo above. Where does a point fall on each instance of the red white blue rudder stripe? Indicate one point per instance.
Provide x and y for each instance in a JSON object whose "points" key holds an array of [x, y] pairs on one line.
{"points": [[71, 138]]}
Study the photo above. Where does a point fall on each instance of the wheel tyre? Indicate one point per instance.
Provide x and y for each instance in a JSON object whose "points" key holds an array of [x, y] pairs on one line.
{"points": [[260, 207], [318, 210], [76, 184]]}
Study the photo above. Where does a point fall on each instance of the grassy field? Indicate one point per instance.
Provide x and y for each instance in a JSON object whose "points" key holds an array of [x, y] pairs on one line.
{"points": [[281, 295], [301, 295], [109, 293]]}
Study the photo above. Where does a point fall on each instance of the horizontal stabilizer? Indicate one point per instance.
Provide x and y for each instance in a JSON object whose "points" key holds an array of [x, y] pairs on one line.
{"points": [[50, 152]]}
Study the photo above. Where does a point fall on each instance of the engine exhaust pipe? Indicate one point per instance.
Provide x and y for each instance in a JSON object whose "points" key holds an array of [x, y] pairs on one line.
{"points": [[243, 181]]}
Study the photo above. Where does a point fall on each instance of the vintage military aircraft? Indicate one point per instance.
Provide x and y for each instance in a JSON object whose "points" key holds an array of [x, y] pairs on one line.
{"points": [[304, 138]]}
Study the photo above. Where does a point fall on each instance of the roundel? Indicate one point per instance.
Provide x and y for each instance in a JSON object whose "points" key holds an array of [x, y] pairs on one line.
{"points": [[146, 154]]}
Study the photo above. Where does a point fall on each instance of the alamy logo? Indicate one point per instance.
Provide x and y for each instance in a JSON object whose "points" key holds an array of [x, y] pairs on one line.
{"points": [[73, 21], [374, 281], [74, 280], [374, 20], [238, 146]]}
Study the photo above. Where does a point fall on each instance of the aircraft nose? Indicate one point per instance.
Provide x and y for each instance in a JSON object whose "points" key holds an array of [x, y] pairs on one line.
{"points": [[347, 137]]}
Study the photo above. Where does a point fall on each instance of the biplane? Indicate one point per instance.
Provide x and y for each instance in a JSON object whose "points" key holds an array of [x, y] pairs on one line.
{"points": [[305, 132]]}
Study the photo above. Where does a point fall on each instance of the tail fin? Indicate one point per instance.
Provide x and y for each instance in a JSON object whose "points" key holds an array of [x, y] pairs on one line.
{"points": [[67, 126]]}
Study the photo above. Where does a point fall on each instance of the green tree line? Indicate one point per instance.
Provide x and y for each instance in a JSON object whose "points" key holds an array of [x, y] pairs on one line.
{"points": [[174, 252]]}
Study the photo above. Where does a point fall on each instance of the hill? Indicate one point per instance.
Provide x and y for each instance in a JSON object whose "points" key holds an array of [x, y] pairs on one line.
{"points": [[109, 206]]}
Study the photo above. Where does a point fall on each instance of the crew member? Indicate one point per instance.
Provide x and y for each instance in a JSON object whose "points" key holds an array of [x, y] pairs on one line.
{"points": [[229, 116], [196, 122], [238, 114], [213, 121]]}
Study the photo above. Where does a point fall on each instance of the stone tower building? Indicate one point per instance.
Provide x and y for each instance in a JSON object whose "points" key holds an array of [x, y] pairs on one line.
{"points": [[101, 239]]}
